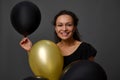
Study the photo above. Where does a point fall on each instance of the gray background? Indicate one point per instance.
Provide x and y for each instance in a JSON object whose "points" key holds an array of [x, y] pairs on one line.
{"points": [[99, 25]]}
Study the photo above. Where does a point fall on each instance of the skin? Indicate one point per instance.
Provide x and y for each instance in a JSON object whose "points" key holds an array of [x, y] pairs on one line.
{"points": [[26, 44]]}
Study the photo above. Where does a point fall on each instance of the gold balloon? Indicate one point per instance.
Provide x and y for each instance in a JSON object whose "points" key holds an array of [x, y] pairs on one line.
{"points": [[46, 60]]}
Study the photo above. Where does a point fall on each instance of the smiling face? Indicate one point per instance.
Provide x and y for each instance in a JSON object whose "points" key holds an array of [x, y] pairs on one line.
{"points": [[65, 27]]}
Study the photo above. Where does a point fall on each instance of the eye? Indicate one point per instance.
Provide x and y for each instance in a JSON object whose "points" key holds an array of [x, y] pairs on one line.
{"points": [[59, 25], [69, 24]]}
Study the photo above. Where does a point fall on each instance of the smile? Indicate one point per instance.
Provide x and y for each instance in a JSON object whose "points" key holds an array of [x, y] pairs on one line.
{"points": [[64, 33]]}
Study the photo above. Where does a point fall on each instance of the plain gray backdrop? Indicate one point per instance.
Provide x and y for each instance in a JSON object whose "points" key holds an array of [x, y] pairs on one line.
{"points": [[99, 25]]}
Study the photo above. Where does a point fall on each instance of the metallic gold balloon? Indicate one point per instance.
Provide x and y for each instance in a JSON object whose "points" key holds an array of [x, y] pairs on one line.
{"points": [[46, 60]]}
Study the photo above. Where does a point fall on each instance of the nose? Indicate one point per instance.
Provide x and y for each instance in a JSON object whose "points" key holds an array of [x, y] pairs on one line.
{"points": [[64, 28]]}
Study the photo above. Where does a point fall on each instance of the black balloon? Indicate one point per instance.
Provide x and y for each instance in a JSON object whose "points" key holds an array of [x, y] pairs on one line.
{"points": [[84, 70], [25, 17]]}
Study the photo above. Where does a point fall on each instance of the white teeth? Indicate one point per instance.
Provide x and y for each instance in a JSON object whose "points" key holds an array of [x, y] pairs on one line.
{"points": [[64, 34]]}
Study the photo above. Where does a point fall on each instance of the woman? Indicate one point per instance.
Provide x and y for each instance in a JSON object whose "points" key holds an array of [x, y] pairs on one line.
{"points": [[67, 37]]}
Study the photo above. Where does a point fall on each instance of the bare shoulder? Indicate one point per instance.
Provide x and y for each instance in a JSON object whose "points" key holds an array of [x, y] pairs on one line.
{"points": [[78, 42]]}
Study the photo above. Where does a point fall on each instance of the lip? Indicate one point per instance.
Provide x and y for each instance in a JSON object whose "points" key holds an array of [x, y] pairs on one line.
{"points": [[64, 34]]}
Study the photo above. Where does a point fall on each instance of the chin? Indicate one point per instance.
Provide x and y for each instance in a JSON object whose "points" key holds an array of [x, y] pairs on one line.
{"points": [[64, 38]]}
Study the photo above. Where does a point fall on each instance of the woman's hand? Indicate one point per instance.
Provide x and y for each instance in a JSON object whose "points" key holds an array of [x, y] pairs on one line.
{"points": [[26, 44]]}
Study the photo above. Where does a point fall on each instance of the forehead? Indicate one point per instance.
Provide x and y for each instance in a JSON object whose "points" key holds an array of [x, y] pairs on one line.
{"points": [[64, 17]]}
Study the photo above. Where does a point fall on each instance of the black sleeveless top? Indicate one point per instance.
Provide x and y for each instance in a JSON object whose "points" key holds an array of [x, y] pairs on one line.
{"points": [[83, 52]]}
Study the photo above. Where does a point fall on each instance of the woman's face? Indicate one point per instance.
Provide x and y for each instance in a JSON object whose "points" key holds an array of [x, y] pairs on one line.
{"points": [[65, 27]]}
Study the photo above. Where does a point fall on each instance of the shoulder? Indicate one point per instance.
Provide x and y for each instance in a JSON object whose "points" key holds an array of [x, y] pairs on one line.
{"points": [[85, 44], [88, 48]]}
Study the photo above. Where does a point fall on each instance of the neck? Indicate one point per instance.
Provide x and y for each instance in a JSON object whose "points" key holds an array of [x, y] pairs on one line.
{"points": [[68, 42]]}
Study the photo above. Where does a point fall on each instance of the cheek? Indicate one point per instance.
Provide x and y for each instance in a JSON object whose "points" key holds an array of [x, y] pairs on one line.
{"points": [[72, 29], [56, 30]]}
